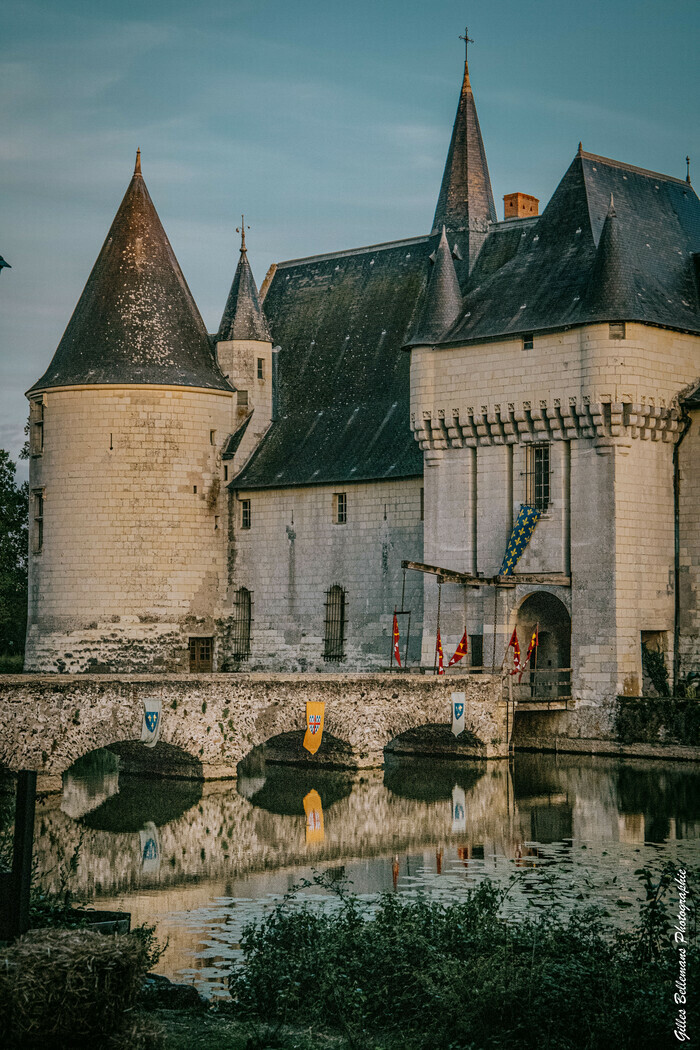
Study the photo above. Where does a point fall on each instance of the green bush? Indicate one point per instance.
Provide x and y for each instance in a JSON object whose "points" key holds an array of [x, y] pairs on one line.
{"points": [[12, 663], [425, 974]]}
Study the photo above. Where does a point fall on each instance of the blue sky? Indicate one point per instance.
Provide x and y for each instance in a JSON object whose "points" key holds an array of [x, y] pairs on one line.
{"points": [[326, 122]]}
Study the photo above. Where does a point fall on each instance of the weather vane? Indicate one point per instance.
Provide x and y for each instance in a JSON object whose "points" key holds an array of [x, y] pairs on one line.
{"points": [[241, 229], [467, 41], [687, 169]]}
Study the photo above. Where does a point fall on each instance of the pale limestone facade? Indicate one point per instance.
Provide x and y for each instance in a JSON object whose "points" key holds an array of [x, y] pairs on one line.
{"points": [[132, 556], [609, 409], [294, 552]]}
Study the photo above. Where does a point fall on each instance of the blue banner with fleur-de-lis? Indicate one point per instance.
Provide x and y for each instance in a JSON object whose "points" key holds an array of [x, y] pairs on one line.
{"points": [[519, 537], [150, 727]]}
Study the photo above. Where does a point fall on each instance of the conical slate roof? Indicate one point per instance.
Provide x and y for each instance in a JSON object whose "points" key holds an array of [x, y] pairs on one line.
{"points": [[136, 321], [611, 286], [443, 299], [243, 317], [466, 198]]}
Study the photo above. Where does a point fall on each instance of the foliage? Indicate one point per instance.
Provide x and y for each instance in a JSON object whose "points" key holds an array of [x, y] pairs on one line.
{"points": [[419, 973], [654, 665], [14, 504], [652, 720]]}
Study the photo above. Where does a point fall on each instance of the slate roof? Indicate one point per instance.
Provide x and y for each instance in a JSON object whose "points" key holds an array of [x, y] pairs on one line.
{"points": [[343, 410], [443, 299], [243, 317], [136, 320], [466, 198], [565, 270]]}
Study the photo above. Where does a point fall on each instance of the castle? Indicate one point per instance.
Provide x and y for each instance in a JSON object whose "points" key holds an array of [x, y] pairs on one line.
{"points": [[247, 500]]}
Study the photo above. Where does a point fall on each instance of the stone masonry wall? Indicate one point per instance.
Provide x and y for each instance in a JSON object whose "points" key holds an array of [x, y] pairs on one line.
{"points": [[608, 409], [293, 553], [213, 721], [689, 547], [134, 540]]}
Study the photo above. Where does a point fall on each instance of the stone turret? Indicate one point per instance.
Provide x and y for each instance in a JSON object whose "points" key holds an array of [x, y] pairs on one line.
{"points": [[443, 299], [244, 354], [127, 537]]}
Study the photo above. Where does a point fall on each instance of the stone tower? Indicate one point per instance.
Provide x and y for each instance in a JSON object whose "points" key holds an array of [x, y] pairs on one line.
{"points": [[244, 354], [127, 536]]}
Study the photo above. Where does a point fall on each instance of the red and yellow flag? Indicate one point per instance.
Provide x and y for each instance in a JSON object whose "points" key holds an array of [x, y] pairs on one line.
{"points": [[396, 641], [314, 725], [534, 642], [313, 810], [460, 651], [516, 651], [438, 650]]}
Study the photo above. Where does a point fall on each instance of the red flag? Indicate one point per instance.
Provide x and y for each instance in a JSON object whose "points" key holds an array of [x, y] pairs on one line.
{"points": [[396, 641], [516, 652], [438, 650], [460, 651], [534, 642]]}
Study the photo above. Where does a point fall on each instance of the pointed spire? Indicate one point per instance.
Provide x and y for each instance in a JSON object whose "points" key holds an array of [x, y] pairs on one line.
{"points": [[136, 320], [137, 165], [580, 149], [243, 317], [443, 299], [466, 199], [610, 291]]}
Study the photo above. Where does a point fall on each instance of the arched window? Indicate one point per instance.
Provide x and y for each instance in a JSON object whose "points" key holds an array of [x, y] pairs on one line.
{"points": [[240, 635], [334, 640]]}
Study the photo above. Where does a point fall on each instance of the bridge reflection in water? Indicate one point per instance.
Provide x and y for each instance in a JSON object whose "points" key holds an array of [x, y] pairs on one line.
{"points": [[201, 858]]}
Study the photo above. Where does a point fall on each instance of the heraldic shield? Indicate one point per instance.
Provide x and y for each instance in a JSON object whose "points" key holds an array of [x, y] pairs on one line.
{"points": [[458, 700], [314, 725], [150, 727]]}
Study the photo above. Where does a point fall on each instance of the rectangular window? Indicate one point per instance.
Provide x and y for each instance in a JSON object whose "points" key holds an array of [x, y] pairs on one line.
{"points": [[528, 341], [537, 476], [36, 428], [334, 635], [246, 517], [201, 655], [212, 437], [616, 330], [422, 504], [38, 516], [240, 627], [476, 651], [225, 473], [242, 398], [340, 508], [261, 368]]}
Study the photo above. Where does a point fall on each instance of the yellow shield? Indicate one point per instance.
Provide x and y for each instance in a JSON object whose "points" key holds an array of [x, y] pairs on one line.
{"points": [[314, 725], [314, 817]]}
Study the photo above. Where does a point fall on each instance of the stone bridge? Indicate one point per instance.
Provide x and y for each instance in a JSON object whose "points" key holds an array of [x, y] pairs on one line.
{"points": [[210, 722]]}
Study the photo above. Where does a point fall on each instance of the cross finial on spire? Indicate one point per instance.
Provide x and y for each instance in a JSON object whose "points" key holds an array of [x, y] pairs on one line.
{"points": [[137, 166], [467, 41], [241, 229], [687, 169]]}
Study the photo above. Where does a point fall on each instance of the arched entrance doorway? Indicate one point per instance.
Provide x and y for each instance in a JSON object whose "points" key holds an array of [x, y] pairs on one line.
{"points": [[549, 674]]}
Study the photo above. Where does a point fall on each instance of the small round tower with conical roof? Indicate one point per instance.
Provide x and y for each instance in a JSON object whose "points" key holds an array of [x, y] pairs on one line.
{"points": [[127, 536]]}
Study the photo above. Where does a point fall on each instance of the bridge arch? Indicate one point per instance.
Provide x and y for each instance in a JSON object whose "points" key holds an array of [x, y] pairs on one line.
{"points": [[546, 613]]}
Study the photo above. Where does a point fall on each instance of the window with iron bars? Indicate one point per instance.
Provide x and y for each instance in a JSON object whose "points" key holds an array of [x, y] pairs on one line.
{"points": [[537, 472], [334, 638], [242, 619]]}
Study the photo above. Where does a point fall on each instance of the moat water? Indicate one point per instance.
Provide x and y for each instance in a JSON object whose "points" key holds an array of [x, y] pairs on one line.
{"points": [[201, 860]]}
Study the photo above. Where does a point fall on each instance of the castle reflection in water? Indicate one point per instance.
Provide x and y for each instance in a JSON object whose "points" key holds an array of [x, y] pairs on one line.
{"points": [[182, 852]]}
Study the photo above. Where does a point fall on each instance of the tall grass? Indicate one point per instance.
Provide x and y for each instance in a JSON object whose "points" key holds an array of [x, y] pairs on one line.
{"points": [[416, 973]]}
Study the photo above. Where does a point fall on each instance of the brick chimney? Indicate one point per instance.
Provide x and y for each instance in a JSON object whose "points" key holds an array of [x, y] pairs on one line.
{"points": [[519, 205]]}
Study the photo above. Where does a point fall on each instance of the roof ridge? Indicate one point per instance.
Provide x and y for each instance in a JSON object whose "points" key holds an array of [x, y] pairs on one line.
{"points": [[381, 246], [630, 167]]}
